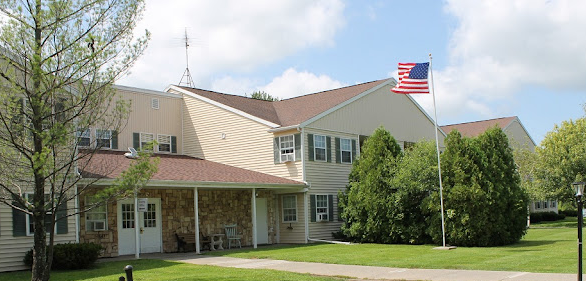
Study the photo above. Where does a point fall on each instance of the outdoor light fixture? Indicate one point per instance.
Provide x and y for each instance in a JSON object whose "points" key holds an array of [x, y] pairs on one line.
{"points": [[579, 188]]}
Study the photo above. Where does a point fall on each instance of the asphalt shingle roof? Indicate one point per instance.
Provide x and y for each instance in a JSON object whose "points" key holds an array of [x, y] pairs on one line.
{"points": [[473, 129], [110, 164], [291, 111]]}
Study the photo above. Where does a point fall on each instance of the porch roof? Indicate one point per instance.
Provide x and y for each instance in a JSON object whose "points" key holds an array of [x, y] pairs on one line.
{"points": [[180, 169]]}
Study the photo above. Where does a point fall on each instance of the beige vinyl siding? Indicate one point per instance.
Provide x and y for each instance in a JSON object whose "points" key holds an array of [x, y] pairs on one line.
{"points": [[297, 234], [397, 113], [518, 137], [143, 118], [218, 135], [12, 249], [327, 178]]}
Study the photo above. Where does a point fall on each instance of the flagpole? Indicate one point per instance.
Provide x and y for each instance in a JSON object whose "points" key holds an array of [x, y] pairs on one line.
{"points": [[439, 168]]}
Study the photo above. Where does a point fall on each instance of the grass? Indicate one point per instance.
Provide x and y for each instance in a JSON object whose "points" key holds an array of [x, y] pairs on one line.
{"points": [[167, 270], [552, 250]]}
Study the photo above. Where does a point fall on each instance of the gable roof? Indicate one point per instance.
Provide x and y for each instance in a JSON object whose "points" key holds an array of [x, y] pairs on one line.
{"points": [[179, 168], [473, 129], [291, 111]]}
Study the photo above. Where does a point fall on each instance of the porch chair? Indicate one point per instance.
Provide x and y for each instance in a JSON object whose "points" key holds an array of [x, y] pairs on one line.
{"points": [[232, 234]]}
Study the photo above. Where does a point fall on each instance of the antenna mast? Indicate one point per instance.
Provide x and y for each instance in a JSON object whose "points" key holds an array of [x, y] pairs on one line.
{"points": [[186, 79]]}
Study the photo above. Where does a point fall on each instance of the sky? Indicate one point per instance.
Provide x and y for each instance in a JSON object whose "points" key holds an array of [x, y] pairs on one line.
{"points": [[490, 59]]}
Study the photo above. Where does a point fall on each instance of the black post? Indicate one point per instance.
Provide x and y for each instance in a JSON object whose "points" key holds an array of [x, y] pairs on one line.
{"points": [[580, 222], [128, 270]]}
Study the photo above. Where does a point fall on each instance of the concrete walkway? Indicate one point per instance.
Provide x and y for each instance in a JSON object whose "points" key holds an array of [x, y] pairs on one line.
{"points": [[357, 271]]}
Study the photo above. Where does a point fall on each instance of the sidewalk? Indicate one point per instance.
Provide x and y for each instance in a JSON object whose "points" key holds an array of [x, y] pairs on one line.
{"points": [[358, 271]]}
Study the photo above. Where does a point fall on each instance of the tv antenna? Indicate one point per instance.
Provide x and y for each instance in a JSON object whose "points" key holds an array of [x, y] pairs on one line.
{"points": [[186, 78]]}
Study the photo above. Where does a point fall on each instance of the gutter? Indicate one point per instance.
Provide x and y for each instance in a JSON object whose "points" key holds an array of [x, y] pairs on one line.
{"points": [[281, 129]]}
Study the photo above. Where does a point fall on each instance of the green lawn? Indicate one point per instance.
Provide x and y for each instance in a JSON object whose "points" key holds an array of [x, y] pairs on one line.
{"points": [[166, 270], [542, 250]]}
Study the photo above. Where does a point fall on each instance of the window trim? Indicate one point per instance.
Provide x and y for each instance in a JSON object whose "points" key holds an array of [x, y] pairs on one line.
{"points": [[140, 139], [109, 139], [327, 208], [89, 199], [292, 147], [283, 208], [342, 150], [79, 133], [315, 148], [28, 229], [170, 143]]}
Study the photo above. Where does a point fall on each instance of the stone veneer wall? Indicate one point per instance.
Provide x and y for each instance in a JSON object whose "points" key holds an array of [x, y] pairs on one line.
{"points": [[216, 208]]}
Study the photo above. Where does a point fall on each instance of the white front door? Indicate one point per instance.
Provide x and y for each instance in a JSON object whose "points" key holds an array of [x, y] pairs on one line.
{"points": [[149, 227], [262, 227]]}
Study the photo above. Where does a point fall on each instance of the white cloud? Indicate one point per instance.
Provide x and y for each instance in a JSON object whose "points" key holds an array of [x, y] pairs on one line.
{"points": [[500, 47], [290, 84], [230, 35], [293, 83]]}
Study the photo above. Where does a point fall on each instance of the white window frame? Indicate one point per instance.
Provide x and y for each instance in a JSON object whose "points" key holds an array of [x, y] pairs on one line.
{"points": [[144, 140], [29, 230], [284, 154], [104, 135], [324, 147], [319, 216], [285, 220], [162, 142], [85, 133], [342, 150], [95, 211]]}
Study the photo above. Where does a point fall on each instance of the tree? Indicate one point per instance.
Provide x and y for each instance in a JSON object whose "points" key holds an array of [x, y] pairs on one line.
{"points": [[262, 95], [58, 60], [485, 204], [368, 195], [562, 159]]}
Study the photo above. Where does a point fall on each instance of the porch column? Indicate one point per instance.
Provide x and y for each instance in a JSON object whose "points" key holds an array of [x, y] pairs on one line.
{"points": [[196, 210], [254, 218]]}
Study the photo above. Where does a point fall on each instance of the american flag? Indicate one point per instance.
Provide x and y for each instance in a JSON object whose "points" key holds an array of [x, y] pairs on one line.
{"points": [[412, 79]]}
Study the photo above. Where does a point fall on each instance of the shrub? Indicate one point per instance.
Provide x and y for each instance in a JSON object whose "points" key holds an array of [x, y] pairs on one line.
{"points": [[569, 212], [546, 216], [70, 255]]}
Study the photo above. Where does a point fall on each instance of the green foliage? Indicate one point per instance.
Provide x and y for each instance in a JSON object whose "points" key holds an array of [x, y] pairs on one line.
{"points": [[562, 159], [70, 256], [546, 216], [369, 193], [262, 95], [484, 202]]}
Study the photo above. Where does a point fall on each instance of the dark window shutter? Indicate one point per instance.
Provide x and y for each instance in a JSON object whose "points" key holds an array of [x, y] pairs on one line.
{"points": [[61, 219], [312, 206], [276, 150], [339, 208], [338, 156], [136, 141], [297, 138], [310, 149], [18, 223], [329, 149], [173, 144], [353, 150], [331, 207], [114, 139]]}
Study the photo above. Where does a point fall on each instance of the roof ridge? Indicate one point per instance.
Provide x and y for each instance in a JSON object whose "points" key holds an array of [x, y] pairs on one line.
{"points": [[478, 121], [220, 93]]}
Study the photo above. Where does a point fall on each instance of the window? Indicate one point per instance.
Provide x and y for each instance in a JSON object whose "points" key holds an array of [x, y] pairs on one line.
{"points": [[83, 137], [145, 138], [408, 145], [287, 148], [321, 207], [30, 226], [127, 215], [538, 205], [545, 204], [164, 143], [289, 208], [553, 203], [150, 216], [104, 138], [346, 150], [319, 147], [96, 218]]}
